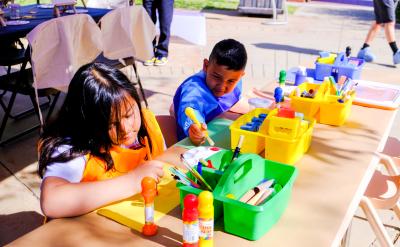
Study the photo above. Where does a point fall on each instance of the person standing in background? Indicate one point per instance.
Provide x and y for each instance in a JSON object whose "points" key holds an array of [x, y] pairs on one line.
{"points": [[165, 10], [385, 16]]}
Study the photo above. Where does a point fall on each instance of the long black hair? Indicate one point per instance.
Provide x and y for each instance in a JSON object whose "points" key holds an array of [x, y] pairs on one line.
{"points": [[93, 101]]}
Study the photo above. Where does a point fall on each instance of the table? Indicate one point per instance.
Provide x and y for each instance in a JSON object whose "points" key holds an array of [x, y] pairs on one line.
{"points": [[39, 15], [333, 176]]}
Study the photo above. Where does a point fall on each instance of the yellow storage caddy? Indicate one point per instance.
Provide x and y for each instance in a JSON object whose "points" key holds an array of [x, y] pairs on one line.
{"points": [[333, 112], [254, 142], [289, 149], [308, 106]]}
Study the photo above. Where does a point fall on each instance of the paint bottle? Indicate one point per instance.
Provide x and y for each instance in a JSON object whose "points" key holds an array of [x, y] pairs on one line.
{"points": [[149, 191], [206, 219], [190, 217]]}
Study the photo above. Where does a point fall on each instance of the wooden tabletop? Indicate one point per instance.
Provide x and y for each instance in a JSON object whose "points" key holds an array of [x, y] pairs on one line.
{"points": [[333, 176]]}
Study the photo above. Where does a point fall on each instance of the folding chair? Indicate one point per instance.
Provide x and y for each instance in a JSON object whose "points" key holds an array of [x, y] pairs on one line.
{"points": [[383, 192], [20, 82], [127, 35]]}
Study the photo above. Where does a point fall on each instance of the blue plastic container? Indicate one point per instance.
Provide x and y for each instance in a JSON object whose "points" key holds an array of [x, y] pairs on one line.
{"points": [[349, 67]]}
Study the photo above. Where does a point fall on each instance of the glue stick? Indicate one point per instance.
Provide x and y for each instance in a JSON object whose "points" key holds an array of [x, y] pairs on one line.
{"points": [[206, 219], [190, 217], [149, 192]]}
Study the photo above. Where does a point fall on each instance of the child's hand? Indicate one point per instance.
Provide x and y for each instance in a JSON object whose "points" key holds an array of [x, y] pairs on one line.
{"points": [[196, 134], [151, 168]]}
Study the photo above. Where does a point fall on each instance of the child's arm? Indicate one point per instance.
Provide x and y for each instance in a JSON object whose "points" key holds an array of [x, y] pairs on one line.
{"points": [[60, 198]]}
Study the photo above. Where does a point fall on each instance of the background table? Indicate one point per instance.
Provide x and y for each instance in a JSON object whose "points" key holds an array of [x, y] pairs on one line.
{"points": [[35, 16]]}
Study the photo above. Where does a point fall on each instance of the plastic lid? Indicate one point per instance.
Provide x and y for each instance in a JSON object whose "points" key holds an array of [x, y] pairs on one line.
{"points": [[259, 102]]}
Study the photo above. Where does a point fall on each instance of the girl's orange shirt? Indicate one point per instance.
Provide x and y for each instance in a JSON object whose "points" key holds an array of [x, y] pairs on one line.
{"points": [[125, 159]]}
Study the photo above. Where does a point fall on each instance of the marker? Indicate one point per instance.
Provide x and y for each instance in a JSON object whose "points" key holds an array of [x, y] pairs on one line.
{"points": [[148, 193], [189, 111], [199, 168], [278, 95], [237, 149]]}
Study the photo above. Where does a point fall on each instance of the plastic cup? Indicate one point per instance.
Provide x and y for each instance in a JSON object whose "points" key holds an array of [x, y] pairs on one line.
{"points": [[15, 11], [259, 103]]}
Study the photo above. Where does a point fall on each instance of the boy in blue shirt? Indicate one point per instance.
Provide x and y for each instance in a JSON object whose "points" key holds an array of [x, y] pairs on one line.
{"points": [[212, 91]]}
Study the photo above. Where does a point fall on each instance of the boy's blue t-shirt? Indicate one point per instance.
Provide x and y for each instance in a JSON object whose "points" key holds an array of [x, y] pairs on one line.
{"points": [[194, 92]]}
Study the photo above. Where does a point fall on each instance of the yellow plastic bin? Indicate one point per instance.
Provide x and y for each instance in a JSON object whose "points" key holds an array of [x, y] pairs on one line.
{"points": [[332, 112], [288, 148], [308, 106], [254, 142]]}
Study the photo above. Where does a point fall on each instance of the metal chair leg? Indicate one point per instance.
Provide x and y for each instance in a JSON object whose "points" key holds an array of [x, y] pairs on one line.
{"points": [[7, 113], [139, 82]]}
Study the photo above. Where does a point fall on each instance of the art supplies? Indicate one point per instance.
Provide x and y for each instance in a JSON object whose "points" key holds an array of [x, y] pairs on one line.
{"points": [[264, 196], [149, 191], [183, 178], [238, 147], [192, 115], [261, 187], [278, 96], [190, 218], [200, 168], [255, 123], [206, 219], [196, 174]]}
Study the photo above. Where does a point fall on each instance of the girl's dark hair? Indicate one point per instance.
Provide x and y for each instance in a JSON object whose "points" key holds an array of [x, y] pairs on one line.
{"points": [[94, 99], [230, 53]]}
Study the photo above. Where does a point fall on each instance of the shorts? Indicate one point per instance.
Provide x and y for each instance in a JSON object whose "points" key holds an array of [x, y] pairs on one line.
{"points": [[384, 11]]}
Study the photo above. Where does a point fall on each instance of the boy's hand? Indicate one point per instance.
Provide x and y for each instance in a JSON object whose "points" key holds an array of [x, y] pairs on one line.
{"points": [[196, 134]]}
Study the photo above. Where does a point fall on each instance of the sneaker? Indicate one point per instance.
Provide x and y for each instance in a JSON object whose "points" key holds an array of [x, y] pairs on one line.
{"points": [[149, 62], [160, 61], [366, 54], [396, 57]]}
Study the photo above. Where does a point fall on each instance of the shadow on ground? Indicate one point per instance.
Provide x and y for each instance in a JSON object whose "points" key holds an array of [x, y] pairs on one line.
{"points": [[270, 46], [13, 226]]}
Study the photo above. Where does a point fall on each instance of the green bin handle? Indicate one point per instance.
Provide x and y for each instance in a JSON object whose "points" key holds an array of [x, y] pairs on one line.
{"points": [[230, 171]]}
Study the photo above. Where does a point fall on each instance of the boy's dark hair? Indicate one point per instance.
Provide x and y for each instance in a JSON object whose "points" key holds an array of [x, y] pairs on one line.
{"points": [[83, 123], [230, 53]]}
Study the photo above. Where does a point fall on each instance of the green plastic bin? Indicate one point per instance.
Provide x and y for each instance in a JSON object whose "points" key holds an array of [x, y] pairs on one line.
{"points": [[248, 221]]}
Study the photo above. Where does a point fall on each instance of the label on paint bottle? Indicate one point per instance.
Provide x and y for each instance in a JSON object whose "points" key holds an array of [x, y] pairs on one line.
{"points": [[191, 232], [206, 228], [149, 214]]}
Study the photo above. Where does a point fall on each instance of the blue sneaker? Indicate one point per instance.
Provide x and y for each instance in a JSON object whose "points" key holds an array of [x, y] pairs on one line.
{"points": [[396, 57], [366, 54]]}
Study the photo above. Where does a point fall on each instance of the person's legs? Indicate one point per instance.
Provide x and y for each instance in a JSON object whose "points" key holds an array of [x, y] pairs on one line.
{"points": [[373, 31], [165, 14], [151, 7], [365, 52]]}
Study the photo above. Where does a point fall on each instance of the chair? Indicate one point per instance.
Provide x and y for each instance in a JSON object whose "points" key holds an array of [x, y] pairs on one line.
{"points": [[20, 82], [127, 35], [167, 125], [383, 192], [59, 47]]}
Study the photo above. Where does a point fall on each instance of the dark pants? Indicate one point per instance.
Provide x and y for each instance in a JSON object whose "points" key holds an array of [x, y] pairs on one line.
{"points": [[165, 9]]}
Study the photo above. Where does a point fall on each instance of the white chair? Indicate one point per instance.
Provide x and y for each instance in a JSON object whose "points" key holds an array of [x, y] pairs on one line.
{"points": [[59, 47], [383, 192], [127, 35]]}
